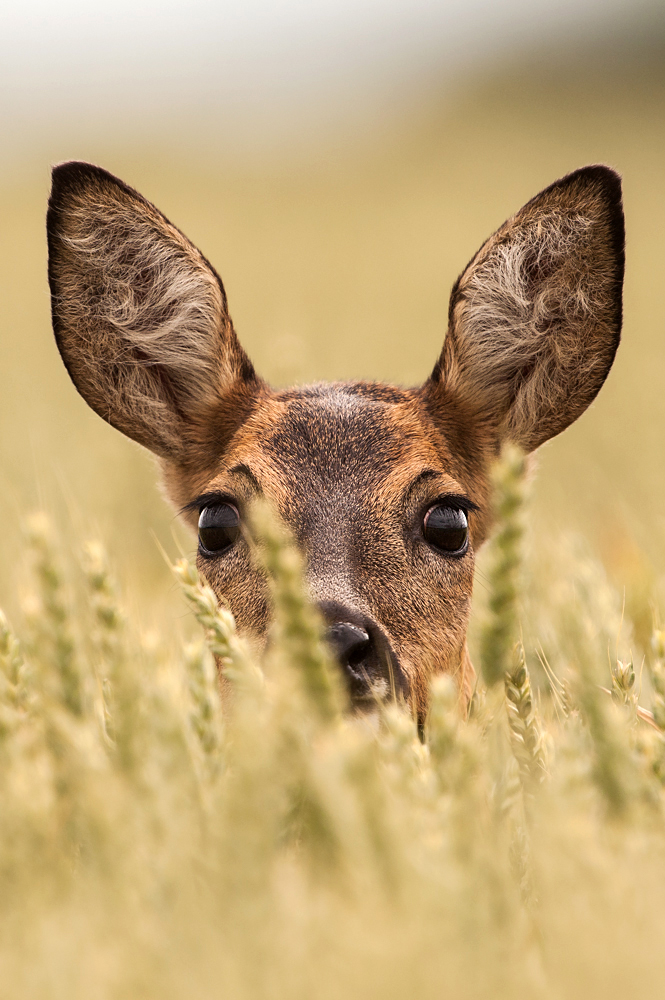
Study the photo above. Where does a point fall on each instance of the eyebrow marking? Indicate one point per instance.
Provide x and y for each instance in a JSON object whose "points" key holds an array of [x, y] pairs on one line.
{"points": [[244, 470], [220, 496], [459, 500]]}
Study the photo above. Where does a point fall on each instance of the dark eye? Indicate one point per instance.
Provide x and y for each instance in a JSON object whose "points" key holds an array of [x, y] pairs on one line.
{"points": [[446, 528], [219, 526]]}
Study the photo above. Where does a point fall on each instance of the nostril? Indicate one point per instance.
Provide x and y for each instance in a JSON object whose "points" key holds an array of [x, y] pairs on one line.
{"points": [[350, 643]]}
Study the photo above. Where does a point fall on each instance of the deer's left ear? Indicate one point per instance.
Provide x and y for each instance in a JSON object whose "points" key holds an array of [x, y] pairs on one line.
{"points": [[535, 318], [140, 318]]}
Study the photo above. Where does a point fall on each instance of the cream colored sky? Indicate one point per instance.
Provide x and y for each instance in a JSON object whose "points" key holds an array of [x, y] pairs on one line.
{"points": [[129, 63]]}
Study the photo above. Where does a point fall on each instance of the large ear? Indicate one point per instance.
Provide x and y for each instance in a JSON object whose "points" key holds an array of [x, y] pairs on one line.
{"points": [[535, 318], [139, 315]]}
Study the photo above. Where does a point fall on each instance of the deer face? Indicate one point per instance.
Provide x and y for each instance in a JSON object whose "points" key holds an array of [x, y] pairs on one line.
{"points": [[384, 489], [387, 518]]}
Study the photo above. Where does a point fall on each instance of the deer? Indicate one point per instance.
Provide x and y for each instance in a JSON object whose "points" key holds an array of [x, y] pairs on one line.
{"points": [[385, 490]]}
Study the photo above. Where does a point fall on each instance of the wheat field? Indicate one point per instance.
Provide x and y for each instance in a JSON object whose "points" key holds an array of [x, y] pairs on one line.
{"points": [[155, 844]]}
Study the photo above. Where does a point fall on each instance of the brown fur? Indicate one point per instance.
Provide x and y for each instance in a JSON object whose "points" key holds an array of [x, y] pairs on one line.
{"points": [[142, 324]]}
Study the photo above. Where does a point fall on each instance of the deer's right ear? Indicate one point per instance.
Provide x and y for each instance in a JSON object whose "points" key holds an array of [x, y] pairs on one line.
{"points": [[139, 315], [535, 318]]}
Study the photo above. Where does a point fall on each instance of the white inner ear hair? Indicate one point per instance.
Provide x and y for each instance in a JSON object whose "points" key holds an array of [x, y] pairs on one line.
{"points": [[148, 293], [538, 288]]}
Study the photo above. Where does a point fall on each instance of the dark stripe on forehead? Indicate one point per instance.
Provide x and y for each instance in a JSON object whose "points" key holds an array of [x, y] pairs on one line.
{"points": [[337, 430]]}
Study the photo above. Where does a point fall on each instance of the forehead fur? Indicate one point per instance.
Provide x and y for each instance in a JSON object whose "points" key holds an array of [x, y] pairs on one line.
{"points": [[339, 430], [317, 440]]}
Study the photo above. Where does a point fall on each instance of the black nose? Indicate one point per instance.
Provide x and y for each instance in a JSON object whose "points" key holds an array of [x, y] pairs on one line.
{"points": [[363, 651], [351, 645]]}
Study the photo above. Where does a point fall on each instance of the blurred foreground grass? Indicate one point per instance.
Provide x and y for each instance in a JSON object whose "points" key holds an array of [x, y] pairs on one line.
{"points": [[153, 846], [339, 263]]}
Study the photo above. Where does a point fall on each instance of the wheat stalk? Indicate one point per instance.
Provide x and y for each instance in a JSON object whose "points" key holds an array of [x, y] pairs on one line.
{"points": [[51, 618], [232, 653], [297, 627], [500, 629], [526, 730]]}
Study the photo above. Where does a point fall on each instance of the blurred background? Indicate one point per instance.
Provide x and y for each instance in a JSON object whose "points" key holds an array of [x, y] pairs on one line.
{"points": [[339, 162]]}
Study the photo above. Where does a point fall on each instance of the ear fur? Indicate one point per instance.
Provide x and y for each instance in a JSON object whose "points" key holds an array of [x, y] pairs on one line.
{"points": [[140, 316], [535, 318]]}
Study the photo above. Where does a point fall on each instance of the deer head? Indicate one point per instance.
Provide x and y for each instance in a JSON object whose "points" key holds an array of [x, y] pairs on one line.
{"points": [[385, 489]]}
